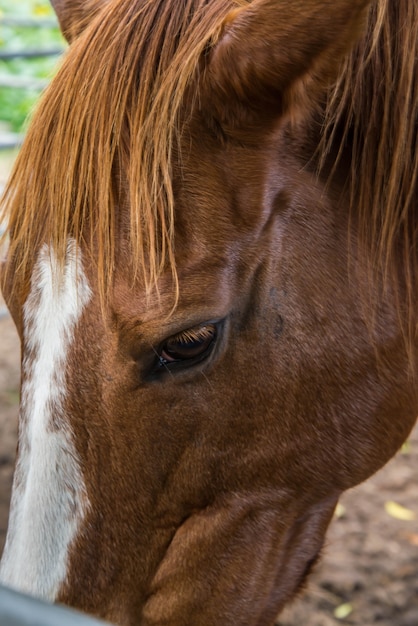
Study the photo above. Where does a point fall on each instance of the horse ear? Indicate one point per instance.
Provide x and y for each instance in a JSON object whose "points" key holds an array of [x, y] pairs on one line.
{"points": [[75, 15], [274, 56]]}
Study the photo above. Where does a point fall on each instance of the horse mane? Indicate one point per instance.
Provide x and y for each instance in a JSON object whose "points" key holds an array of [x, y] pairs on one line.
{"points": [[374, 106], [113, 115]]}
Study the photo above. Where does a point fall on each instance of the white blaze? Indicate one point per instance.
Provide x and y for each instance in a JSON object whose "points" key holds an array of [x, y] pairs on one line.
{"points": [[49, 498]]}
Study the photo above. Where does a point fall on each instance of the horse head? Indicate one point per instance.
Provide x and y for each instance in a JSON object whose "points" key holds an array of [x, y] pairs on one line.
{"points": [[210, 356]]}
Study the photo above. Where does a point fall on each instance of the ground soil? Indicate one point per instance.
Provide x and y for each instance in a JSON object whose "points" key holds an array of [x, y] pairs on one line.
{"points": [[369, 571]]}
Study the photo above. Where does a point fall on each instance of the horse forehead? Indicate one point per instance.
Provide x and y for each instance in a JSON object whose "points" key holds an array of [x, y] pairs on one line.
{"points": [[222, 185]]}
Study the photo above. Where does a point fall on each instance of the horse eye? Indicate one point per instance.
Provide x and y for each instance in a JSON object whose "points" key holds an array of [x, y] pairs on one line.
{"points": [[188, 345]]}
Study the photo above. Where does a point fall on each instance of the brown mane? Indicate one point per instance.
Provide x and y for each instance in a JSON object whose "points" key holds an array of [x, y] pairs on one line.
{"points": [[115, 105], [375, 102]]}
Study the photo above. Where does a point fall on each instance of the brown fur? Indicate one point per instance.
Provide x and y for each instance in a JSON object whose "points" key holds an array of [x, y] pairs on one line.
{"points": [[198, 155]]}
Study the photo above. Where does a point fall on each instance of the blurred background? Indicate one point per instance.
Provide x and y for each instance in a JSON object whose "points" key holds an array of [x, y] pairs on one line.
{"points": [[30, 46]]}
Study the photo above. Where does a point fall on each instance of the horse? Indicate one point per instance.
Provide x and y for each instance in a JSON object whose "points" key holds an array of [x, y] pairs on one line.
{"points": [[212, 266]]}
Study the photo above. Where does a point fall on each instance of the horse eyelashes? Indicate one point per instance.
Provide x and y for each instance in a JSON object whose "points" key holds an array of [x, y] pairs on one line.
{"points": [[189, 344]]}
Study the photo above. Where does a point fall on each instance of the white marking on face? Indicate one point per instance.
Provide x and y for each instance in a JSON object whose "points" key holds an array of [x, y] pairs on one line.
{"points": [[49, 497]]}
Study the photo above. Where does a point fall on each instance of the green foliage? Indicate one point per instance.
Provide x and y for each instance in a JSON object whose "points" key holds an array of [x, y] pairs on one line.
{"points": [[26, 8], [17, 102]]}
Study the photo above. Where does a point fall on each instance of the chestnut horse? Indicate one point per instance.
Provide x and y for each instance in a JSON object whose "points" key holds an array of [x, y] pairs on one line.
{"points": [[212, 267]]}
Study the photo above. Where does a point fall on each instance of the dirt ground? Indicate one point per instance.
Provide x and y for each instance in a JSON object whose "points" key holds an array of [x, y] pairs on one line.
{"points": [[369, 572]]}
